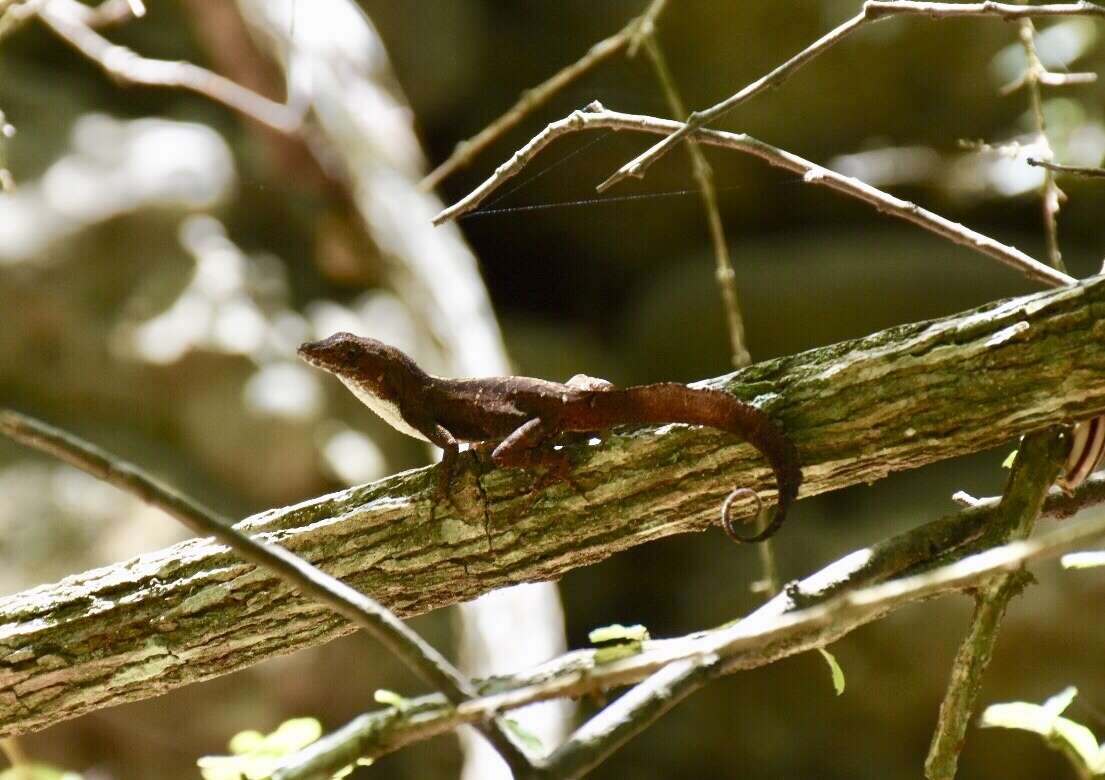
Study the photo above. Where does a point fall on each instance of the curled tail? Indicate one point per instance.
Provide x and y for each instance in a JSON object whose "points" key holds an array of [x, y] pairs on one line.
{"points": [[670, 402]]}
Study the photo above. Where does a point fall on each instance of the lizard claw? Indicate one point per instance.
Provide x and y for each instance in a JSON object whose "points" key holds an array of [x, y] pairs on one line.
{"points": [[728, 526], [556, 467]]}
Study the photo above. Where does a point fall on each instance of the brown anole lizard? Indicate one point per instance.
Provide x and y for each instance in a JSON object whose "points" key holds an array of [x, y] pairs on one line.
{"points": [[521, 413]]}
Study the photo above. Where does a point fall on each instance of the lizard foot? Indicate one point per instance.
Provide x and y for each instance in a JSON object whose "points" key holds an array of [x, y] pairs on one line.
{"points": [[443, 491], [556, 467]]}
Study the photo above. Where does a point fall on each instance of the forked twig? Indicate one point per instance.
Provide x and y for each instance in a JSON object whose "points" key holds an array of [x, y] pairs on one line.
{"points": [[595, 116], [123, 64], [626, 39], [872, 11]]}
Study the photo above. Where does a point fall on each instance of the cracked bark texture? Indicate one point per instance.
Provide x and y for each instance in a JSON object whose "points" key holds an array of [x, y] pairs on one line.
{"points": [[857, 410]]}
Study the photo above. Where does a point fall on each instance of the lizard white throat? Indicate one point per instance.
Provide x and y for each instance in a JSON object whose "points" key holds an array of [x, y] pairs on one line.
{"points": [[385, 410]]}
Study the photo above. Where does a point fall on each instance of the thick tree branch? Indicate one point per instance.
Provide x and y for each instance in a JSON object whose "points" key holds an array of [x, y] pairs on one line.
{"points": [[413, 651], [857, 411]]}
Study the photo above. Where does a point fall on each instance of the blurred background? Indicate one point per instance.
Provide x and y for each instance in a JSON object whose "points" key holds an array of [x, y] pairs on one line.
{"points": [[161, 256]]}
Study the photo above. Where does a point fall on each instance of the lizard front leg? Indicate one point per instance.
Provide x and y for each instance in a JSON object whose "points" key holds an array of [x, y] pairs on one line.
{"points": [[450, 451]]}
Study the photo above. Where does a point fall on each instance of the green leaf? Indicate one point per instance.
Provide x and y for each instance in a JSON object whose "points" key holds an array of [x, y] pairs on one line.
{"points": [[1045, 720], [255, 756], [618, 633], [349, 769], [615, 652], [221, 768], [1008, 462], [293, 735], [530, 740], [246, 742], [834, 670], [391, 699]]}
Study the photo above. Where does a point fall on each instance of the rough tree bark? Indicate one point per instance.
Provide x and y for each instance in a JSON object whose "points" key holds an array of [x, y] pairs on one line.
{"points": [[858, 410]]}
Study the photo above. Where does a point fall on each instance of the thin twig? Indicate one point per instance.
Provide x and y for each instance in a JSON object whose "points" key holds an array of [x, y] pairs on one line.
{"points": [[1074, 170], [785, 626], [14, 14], [7, 181], [597, 117], [724, 274], [632, 713], [704, 177], [879, 9], [605, 733], [123, 64], [626, 38], [415, 653], [1036, 467], [107, 13], [1034, 471], [872, 11], [1051, 196]]}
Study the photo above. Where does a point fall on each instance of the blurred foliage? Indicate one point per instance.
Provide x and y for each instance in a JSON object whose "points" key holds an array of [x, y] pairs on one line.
{"points": [[1069, 737], [158, 318], [254, 756]]}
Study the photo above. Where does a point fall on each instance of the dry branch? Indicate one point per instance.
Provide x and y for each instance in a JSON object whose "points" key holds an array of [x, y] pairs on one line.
{"points": [[1090, 173], [597, 117], [872, 11], [124, 65], [413, 651], [1038, 461], [638, 28], [857, 411], [858, 578]]}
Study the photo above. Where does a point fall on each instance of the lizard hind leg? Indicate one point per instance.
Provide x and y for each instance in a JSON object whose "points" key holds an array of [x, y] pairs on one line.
{"points": [[728, 525], [527, 448]]}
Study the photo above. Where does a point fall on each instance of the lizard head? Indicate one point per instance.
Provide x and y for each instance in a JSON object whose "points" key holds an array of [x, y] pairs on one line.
{"points": [[369, 364]]}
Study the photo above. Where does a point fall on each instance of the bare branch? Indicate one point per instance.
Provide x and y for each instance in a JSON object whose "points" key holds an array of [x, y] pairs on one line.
{"points": [[879, 9], [817, 605], [872, 11], [123, 64], [598, 739], [1051, 197], [627, 38], [1093, 173], [1037, 465], [724, 275], [597, 117], [108, 12], [418, 655], [704, 177]]}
